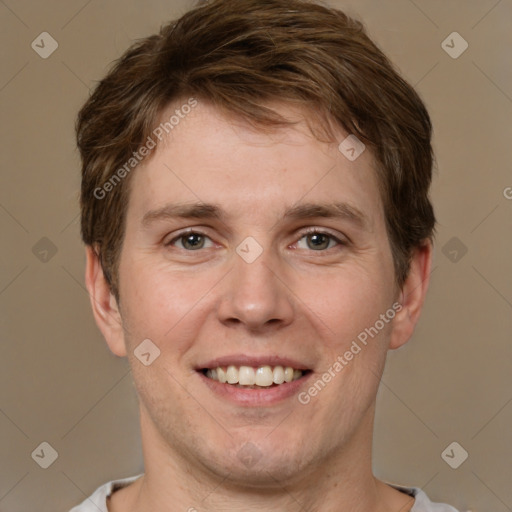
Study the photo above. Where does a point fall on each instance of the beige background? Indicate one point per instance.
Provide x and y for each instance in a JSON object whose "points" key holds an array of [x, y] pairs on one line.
{"points": [[60, 384]]}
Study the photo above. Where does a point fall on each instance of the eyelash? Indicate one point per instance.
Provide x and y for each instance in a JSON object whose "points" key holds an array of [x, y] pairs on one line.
{"points": [[311, 231]]}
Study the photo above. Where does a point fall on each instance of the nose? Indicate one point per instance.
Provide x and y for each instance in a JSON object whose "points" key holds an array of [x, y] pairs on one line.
{"points": [[256, 294]]}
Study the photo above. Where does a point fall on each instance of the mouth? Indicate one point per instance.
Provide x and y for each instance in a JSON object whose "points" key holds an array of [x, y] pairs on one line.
{"points": [[251, 377], [254, 380]]}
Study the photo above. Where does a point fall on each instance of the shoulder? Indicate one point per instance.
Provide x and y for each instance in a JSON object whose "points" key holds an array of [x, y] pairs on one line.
{"points": [[422, 502], [97, 502]]}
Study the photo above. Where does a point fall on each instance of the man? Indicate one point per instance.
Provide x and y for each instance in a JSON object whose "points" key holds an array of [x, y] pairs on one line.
{"points": [[259, 234]]}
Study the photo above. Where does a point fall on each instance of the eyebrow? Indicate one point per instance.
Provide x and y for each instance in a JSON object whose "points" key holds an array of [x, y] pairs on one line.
{"points": [[199, 210]]}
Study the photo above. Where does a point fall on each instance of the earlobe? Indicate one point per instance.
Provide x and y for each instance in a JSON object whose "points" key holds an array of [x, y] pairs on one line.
{"points": [[412, 295], [104, 305]]}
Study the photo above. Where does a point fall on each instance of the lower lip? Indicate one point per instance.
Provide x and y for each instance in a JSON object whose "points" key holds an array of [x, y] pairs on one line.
{"points": [[256, 397]]}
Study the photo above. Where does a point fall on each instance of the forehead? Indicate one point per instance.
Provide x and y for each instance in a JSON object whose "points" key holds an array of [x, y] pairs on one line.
{"points": [[211, 157]]}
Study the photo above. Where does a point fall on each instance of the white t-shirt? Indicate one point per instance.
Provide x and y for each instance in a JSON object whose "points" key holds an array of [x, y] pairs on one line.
{"points": [[98, 501]]}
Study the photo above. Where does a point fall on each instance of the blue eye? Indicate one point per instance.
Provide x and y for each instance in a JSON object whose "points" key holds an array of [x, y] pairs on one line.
{"points": [[190, 241], [320, 240], [316, 240]]}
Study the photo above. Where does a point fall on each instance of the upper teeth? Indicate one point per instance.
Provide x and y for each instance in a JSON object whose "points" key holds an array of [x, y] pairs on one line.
{"points": [[248, 376]]}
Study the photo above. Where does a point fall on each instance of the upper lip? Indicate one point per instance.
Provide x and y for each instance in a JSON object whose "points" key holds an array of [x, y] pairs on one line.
{"points": [[254, 361]]}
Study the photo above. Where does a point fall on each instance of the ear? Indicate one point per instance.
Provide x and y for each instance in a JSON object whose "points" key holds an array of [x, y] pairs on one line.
{"points": [[412, 295], [104, 305]]}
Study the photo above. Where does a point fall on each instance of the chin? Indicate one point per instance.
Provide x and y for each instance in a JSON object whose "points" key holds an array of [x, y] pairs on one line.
{"points": [[260, 461], [267, 473]]}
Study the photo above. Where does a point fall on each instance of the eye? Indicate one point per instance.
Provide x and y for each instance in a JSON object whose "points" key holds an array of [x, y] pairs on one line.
{"points": [[190, 241], [317, 240]]}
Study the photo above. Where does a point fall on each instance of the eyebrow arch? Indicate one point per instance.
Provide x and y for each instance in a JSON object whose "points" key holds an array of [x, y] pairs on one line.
{"points": [[201, 210], [329, 210], [183, 211]]}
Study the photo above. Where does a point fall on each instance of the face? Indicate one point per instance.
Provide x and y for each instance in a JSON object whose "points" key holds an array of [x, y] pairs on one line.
{"points": [[286, 267]]}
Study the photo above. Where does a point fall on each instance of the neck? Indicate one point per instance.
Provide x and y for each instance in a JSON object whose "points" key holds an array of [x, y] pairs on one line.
{"points": [[341, 481]]}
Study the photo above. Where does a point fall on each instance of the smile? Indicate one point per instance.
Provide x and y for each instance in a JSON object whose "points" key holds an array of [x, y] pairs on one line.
{"points": [[253, 377]]}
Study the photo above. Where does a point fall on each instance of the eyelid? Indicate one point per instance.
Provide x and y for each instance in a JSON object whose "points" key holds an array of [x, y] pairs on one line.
{"points": [[186, 231], [340, 239]]}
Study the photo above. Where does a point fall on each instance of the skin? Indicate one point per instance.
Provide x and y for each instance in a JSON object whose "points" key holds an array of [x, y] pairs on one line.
{"points": [[294, 300]]}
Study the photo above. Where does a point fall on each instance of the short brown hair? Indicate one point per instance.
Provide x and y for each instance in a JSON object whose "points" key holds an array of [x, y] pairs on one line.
{"points": [[240, 55]]}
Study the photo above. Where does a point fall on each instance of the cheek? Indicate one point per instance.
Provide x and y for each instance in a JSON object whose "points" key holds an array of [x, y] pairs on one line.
{"points": [[165, 306], [346, 302]]}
